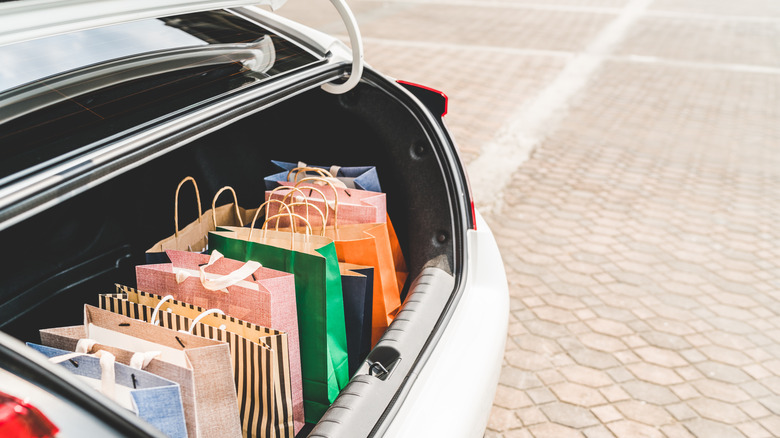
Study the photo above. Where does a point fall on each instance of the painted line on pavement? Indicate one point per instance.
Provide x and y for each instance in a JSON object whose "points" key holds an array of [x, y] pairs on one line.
{"points": [[492, 171], [519, 51], [583, 9]]}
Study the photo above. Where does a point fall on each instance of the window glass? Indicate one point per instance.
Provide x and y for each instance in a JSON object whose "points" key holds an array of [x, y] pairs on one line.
{"points": [[64, 93]]}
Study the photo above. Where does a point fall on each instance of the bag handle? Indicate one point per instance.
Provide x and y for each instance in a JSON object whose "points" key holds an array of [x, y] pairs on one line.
{"points": [[203, 315], [257, 213], [223, 282], [307, 205], [154, 320], [306, 199], [302, 167], [292, 233], [335, 199], [235, 203], [107, 367], [176, 203]]}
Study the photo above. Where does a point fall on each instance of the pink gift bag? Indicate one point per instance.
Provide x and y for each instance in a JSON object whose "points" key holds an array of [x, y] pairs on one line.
{"points": [[246, 291], [354, 206]]}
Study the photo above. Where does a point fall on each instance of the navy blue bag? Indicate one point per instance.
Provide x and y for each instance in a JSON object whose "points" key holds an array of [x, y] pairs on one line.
{"points": [[357, 285]]}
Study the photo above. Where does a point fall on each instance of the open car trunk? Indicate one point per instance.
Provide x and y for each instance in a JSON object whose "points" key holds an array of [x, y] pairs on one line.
{"points": [[63, 257]]}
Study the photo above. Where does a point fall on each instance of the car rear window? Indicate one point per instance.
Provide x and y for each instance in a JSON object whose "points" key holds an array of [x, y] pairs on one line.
{"points": [[60, 95]]}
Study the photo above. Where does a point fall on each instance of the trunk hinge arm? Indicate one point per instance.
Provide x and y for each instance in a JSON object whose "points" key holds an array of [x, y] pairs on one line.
{"points": [[357, 50]]}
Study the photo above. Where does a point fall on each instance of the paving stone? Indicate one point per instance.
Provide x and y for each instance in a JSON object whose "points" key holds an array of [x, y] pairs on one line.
{"points": [[665, 340], [718, 411], [576, 394], [660, 356], [645, 413], [606, 413], [675, 431], [625, 428], [754, 409], [772, 403], [593, 359], [681, 411], [518, 433], [552, 430], [724, 373], [530, 416], [518, 379], [569, 415], [726, 392], [684, 391], [650, 393], [771, 423], [598, 432], [511, 398], [598, 341], [702, 428], [654, 374], [503, 419], [585, 376], [540, 395], [754, 430], [614, 393]]}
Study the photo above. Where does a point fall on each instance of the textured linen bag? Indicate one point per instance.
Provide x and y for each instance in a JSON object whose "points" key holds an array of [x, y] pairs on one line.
{"points": [[152, 398], [200, 366], [261, 363]]}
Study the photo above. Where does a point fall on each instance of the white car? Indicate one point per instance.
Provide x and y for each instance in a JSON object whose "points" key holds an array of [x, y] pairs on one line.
{"points": [[106, 105]]}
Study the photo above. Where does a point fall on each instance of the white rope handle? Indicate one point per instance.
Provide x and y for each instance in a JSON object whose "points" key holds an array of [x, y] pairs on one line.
{"points": [[203, 315], [153, 319]]}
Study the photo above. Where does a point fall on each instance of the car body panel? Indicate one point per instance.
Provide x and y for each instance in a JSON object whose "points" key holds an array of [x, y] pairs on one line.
{"points": [[448, 398]]}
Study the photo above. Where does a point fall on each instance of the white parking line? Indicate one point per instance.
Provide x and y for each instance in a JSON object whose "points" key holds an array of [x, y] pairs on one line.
{"points": [[520, 51], [499, 160], [583, 9]]}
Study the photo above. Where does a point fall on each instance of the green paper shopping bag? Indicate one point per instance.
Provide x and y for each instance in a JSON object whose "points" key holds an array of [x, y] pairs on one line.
{"points": [[321, 327]]}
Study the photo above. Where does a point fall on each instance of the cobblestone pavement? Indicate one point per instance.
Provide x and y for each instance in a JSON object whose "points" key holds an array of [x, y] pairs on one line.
{"points": [[641, 237]]}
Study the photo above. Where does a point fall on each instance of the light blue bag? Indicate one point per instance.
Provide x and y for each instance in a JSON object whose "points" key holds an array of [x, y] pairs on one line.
{"points": [[153, 398]]}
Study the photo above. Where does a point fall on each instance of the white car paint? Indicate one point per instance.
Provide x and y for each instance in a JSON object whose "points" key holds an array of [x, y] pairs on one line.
{"points": [[454, 394]]}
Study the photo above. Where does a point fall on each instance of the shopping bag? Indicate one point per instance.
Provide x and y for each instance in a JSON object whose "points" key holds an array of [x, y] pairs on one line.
{"points": [[261, 363], [368, 244], [357, 284], [318, 293], [354, 206], [154, 399], [193, 237], [361, 177], [345, 207], [200, 366]]}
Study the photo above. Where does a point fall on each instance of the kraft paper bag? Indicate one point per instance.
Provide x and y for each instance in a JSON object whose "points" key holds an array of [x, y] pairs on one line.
{"points": [[193, 237], [200, 366]]}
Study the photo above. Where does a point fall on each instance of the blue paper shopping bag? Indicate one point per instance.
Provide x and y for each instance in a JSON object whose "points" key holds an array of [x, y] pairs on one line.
{"points": [[359, 177], [154, 399]]}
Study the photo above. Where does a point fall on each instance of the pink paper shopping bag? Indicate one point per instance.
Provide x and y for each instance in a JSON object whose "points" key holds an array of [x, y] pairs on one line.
{"points": [[246, 291]]}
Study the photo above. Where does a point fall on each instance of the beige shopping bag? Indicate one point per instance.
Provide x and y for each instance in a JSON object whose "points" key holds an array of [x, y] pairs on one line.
{"points": [[200, 366]]}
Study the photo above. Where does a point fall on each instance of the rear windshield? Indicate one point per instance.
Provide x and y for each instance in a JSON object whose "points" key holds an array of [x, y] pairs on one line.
{"points": [[60, 95]]}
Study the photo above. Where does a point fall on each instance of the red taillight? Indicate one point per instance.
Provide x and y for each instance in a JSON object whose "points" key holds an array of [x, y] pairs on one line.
{"points": [[19, 419], [473, 217], [436, 101]]}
